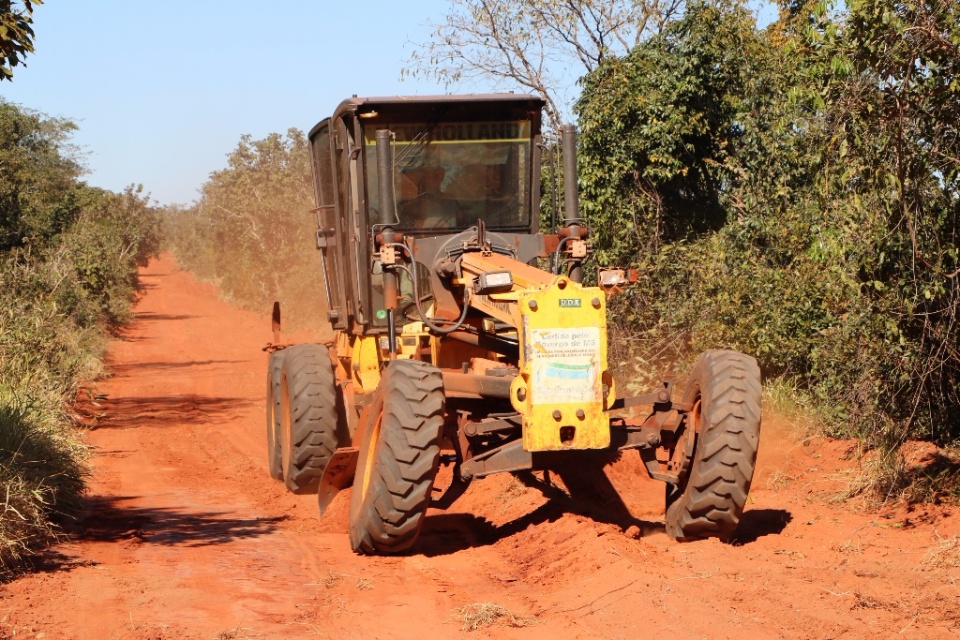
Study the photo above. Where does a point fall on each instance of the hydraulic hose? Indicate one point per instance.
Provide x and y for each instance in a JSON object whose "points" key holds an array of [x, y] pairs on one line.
{"points": [[416, 299]]}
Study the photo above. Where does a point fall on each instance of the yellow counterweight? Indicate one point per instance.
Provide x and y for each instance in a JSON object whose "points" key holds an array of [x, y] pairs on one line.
{"points": [[563, 386]]}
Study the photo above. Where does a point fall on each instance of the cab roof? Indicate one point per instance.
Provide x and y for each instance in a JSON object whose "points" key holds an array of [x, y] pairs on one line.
{"points": [[356, 104]]}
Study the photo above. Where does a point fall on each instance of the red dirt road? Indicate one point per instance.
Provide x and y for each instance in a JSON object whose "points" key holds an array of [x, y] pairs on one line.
{"points": [[186, 536]]}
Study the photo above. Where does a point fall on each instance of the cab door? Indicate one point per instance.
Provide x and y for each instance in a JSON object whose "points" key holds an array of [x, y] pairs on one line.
{"points": [[328, 238]]}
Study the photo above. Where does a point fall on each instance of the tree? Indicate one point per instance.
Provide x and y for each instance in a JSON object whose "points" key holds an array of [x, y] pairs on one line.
{"points": [[538, 45], [253, 228], [661, 128], [258, 207], [38, 174], [889, 76], [826, 149], [16, 35]]}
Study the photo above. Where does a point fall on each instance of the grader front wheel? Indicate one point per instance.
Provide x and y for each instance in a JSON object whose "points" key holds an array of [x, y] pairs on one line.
{"points": [[724, 390], [399, 456]]}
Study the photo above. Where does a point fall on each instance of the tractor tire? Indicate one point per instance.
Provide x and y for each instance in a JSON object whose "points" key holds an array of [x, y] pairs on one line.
{"points": [[274, 461], [307, 416], [724, 390], [398, 460]]}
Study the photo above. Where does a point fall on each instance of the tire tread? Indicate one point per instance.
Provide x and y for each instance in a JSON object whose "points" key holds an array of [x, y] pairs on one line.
{"points": [[313, 416], [713, 498], [405, 460]]}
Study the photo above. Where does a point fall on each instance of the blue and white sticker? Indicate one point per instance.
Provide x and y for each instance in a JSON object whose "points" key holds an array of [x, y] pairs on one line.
{"points": [[565, 364]]}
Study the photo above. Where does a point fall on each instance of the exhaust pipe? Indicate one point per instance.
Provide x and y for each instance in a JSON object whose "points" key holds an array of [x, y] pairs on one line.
{"points": [[388, 200], [571, 195], [387, 217]]}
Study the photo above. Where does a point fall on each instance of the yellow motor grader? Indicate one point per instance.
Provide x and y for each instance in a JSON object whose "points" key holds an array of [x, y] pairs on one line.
{"points": [[466, 336]]}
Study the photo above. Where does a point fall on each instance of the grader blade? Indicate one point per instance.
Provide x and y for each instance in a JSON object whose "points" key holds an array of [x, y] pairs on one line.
{"points": [[338, 475]]}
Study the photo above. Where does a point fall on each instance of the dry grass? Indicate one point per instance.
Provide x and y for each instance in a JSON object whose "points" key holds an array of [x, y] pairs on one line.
{"points": [[946, 555], [886, 476], [235, 634], [515, 489], [41, 474], [779, 480], [336, 605], [485, 614], [849, 546], [363, 584], [785, 398], [331, 580], [866, 601]]}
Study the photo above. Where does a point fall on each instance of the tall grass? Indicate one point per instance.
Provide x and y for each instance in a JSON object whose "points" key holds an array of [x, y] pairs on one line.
{"points": [[58, 306], [41, 474]]}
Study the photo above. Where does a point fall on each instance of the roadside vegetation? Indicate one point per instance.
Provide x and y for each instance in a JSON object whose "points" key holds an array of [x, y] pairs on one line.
{"points": [[68, 265], [792, 192], [16, 34], [253, 233]]}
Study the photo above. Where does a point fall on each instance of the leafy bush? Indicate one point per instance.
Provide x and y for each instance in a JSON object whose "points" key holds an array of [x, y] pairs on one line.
{"points": [[68, 262], [794, 193]]}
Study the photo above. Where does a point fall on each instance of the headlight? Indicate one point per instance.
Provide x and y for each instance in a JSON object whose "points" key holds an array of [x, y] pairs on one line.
{"points": [[492, 281]]}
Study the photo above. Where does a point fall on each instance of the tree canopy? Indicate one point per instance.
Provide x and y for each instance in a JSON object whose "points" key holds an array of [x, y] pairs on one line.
{"points": [[39, 174], [793, 192], [252, 229], [536, 45], [16, 34]]}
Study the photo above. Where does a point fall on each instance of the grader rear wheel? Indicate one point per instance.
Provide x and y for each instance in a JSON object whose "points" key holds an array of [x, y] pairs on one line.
{"points": [[724, 390], [399, 457], [307, 416], [274, 460]]}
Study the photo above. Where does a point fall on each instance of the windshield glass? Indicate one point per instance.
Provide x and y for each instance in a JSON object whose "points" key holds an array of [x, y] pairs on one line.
{"points": [[450, 174]]}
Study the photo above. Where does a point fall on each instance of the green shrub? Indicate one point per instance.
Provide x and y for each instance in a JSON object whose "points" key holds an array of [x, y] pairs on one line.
{"points": [[68, 263], [41, 474], [793, 193]]}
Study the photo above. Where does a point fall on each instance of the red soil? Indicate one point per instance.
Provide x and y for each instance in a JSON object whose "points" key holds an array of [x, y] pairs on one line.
{"points": [[186, 536]]}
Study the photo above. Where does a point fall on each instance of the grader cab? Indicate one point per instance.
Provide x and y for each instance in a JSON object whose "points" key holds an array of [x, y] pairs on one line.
{"points": [[465, 335]]}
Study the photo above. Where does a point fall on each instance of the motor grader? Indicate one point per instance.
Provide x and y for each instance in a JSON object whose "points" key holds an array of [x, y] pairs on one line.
{"points": [[465, 336]]}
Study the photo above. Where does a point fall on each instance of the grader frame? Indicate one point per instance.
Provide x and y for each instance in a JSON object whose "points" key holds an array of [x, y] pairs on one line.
{"points": [[463, 334]]}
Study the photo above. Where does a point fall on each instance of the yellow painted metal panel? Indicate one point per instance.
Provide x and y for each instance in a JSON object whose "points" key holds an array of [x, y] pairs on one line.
{"points": [[365, 362], [525, 276], [563, 367]]}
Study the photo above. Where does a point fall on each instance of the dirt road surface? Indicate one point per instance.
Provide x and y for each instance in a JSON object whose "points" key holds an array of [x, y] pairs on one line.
{"points": [[186, 536]]}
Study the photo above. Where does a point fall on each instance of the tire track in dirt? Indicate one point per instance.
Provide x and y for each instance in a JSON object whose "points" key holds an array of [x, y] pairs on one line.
{"points": [[186, 536]]}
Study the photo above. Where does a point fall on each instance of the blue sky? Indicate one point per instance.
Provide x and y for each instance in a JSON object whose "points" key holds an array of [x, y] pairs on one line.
{"points": [[163, 91]]}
